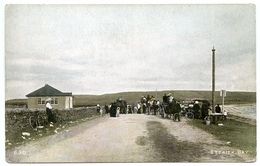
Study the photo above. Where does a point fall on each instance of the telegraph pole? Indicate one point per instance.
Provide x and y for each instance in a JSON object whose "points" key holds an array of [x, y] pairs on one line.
{"points": [[213, 80]]}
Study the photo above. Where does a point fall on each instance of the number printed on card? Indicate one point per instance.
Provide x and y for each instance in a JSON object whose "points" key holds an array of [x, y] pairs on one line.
{"points": [[20, 152]]}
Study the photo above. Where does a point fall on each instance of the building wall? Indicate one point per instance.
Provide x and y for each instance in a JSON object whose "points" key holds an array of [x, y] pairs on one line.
{"points": [[71, 102], [68, 102], [62, 102]]}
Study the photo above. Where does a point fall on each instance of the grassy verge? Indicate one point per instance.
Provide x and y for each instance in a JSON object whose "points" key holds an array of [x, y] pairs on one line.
{"points": [[241, 135]]}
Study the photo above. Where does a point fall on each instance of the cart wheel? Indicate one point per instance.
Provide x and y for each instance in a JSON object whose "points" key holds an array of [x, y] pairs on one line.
{"points": [[190, 115]]}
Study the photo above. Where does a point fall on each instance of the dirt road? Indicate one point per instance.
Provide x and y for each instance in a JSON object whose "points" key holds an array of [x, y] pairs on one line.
{"points": [[128, 138]]}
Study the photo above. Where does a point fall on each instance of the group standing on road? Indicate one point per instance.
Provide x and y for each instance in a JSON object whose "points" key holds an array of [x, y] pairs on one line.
{"points": [[169, 106]]}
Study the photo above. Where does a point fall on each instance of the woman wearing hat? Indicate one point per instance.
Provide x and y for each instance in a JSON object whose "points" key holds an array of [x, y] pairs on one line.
{"points": [[196, 109], [98, 108], [49, 112]]}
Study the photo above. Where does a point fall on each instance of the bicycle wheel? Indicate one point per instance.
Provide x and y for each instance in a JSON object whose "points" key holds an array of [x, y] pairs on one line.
{"points": [[190, 115], [40, 121], [162, 112], [33, 122]]}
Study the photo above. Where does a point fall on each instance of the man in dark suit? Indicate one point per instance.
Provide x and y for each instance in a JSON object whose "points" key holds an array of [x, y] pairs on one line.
{"points": [[218, 109]]}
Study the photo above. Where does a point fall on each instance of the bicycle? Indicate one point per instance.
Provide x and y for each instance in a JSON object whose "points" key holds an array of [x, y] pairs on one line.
{"points": [[36, 121], [184, 113]]}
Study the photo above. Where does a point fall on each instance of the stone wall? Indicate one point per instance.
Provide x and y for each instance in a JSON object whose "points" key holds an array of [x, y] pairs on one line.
{"points": [[18, 119], [19, 131]]}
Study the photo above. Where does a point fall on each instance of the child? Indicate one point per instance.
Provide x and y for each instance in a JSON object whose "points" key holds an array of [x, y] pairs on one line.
{"points": [[117, 111], [101, 111], [224, 115]]}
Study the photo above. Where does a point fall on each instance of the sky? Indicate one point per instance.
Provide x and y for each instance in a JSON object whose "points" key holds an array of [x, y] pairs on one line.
{"points": [[99, 49]]}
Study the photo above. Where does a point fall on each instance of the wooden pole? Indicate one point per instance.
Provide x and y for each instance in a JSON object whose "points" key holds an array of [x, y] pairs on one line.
{"points": [[222, 102], [223, 94], [213, 80]]}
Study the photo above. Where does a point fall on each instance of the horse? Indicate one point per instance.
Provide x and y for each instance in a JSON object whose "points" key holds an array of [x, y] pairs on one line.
{"points": [[168, 109], [122, 104]]}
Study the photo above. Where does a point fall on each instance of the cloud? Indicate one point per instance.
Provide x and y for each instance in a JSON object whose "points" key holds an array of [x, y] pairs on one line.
{"points": [[98, 49]]}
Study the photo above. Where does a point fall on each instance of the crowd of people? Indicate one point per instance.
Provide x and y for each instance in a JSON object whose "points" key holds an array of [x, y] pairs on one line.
{"points": [[149, 105], [146, 105]]}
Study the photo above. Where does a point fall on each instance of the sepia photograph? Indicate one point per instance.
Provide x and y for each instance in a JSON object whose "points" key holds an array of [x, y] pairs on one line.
{"points": [[130, 83]]}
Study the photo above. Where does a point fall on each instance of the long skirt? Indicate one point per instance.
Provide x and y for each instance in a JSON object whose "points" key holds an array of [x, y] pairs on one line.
{"points": [[50, 115]]}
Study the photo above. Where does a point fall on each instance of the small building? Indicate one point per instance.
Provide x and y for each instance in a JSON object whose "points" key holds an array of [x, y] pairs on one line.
{"points": [[60, 100]]}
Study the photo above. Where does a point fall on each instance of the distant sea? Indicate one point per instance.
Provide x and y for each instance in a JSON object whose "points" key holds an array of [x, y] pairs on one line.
{"points": [[246, 111]]}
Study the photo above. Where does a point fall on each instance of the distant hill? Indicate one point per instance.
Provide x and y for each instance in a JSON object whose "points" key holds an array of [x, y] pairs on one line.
{"points": [[16, 103], [134, 97]]}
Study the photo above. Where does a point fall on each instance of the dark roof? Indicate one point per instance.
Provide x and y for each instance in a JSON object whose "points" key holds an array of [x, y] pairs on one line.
{"points": [[47, 90]]}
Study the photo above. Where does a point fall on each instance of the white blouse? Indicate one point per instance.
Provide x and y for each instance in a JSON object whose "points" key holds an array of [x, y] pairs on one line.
{"points": [[48, 105]]}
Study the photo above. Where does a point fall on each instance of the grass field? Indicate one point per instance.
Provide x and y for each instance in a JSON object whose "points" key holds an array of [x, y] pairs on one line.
{"points": [[134, 97], [240, 135]]}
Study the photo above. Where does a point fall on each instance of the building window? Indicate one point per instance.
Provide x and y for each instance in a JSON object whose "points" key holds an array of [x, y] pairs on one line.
{"points": [[54, 100], [42, 100], [39, 101]]}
